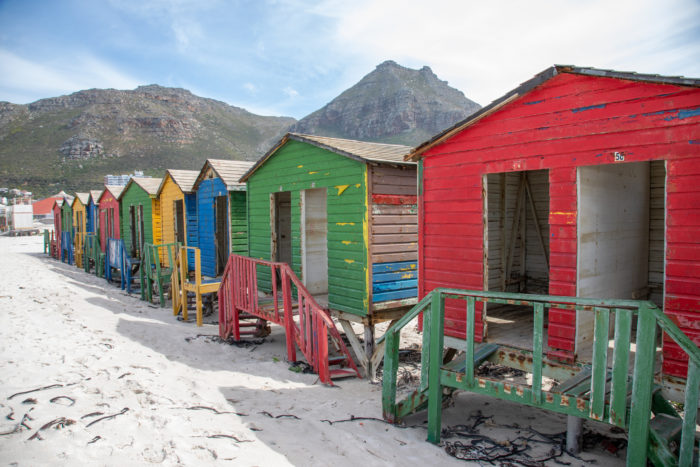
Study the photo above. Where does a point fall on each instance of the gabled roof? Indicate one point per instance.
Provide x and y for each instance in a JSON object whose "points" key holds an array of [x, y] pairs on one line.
{"points": [[114, 190], [362, 151], [184, 179], [229, 172], [45, 206], [82, 197], [537, 80], [68, 200], [58, 202], [147, 184], [95, 195]]}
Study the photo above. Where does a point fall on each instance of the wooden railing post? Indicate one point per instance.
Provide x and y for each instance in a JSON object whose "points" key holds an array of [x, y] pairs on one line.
{"points": [[290, 329], [436, 318], [642, 387], [391, 368], [691, 411], [321, 341]]}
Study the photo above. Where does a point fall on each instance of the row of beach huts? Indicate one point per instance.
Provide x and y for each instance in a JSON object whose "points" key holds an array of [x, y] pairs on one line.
{"points": [[553, 231]]}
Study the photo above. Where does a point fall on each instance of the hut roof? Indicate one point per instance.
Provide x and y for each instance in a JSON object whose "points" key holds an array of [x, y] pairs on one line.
{"points": [[115, 190], [362, 151], [95, 195], [83, 197], [229, 171], [537, 80], [45, 206], [69, 199], [150, 185], [184, 179]]}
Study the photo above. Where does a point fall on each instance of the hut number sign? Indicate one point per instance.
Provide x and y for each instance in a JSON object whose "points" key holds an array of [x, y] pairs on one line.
{"points": [[619, 156]]}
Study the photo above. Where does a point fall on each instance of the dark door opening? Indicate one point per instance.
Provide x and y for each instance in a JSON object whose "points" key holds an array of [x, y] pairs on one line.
{"points": [[179, 214], [282, 228], [221, 232], [517, 250]]}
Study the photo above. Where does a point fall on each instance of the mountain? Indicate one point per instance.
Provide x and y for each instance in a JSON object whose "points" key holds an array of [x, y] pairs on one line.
{"points": [[392, 104], [71, 142]]}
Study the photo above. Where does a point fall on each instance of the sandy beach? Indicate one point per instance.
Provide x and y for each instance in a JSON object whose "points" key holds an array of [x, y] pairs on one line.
{"points": [[92, 376]]}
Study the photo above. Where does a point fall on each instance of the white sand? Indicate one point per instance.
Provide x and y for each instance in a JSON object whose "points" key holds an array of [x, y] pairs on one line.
{"points": [[109, 351]]}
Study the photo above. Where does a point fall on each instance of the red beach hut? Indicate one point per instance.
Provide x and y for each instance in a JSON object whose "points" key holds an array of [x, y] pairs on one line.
{"points": [[580, 182], [109, 214]]}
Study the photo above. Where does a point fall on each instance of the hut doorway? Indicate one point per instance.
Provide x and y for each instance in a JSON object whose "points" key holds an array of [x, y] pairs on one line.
{"points": [[621, 237], [221, 233], [314, 241], [281, 227], [137, 230], [516, 231], [179, 216]]}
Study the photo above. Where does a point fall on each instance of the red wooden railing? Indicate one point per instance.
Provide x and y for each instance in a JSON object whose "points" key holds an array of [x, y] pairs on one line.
{"points": [[306, 323]]}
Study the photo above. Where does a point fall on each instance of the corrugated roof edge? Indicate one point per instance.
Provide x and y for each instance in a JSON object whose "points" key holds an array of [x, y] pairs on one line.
{"points": [[306, 139], [538, 79]]}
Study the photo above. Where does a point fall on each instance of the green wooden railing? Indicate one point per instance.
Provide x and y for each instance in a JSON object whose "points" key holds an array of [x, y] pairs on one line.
{"points": [[152, 272], [609, 388]]}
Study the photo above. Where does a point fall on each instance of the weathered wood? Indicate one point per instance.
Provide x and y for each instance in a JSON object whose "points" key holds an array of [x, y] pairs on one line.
{"points": [[536, 221]]}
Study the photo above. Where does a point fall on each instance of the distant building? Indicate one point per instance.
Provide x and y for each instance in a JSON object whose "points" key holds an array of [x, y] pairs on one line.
{"points": [[122, 180]]}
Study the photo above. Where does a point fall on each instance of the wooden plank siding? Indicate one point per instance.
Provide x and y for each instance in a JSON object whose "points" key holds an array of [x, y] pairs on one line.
{"points": [[682, 281], [298, 166], [570, 120], [393, 232], [207, 191], [239, 222], [170, 192], [109, 218], [137, 197], [67, 217]]}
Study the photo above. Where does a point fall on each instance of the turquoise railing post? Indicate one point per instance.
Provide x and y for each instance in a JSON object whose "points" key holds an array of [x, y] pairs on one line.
{"points": [[691, 411], [391, 367], [621, 355], [642, 387], [599, 372], [469, 354], [436, 318], [537, 336]]}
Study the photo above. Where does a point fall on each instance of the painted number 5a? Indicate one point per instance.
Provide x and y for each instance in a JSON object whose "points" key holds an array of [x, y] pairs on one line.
{"points": [[619, 156]]}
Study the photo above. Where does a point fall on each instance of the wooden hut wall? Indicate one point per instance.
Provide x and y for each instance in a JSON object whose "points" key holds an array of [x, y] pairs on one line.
{"points": [[57, 219], [90, 216], [156, 220], [299, 166], [239, 222], [79, 222], [66, 217], [170, 194], [192, 219], [393, 232], [135, 197], [570, 121], [109, 218], [207, 192]]}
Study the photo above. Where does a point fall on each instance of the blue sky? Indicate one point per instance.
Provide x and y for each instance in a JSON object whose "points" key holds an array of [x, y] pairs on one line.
{"points": [[290, 57]]}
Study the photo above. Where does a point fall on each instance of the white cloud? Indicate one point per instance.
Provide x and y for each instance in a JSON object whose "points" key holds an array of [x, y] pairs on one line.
{"points": [[291, 92], [250, 87], [24, 80], [488, 48]]}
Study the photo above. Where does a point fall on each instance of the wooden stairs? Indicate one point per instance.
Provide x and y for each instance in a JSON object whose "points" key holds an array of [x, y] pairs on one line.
{"points": [[245, 310]]}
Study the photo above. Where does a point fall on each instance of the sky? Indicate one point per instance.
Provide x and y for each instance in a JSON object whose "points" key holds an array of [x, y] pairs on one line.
{"points": [[291, 57]]}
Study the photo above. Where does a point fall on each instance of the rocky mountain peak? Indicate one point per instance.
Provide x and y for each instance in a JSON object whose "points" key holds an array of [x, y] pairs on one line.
{"points": [[391, 104]]}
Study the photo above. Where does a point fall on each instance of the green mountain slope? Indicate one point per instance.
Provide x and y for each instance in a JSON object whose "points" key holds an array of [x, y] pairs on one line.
{"points": [[71, 142]]}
